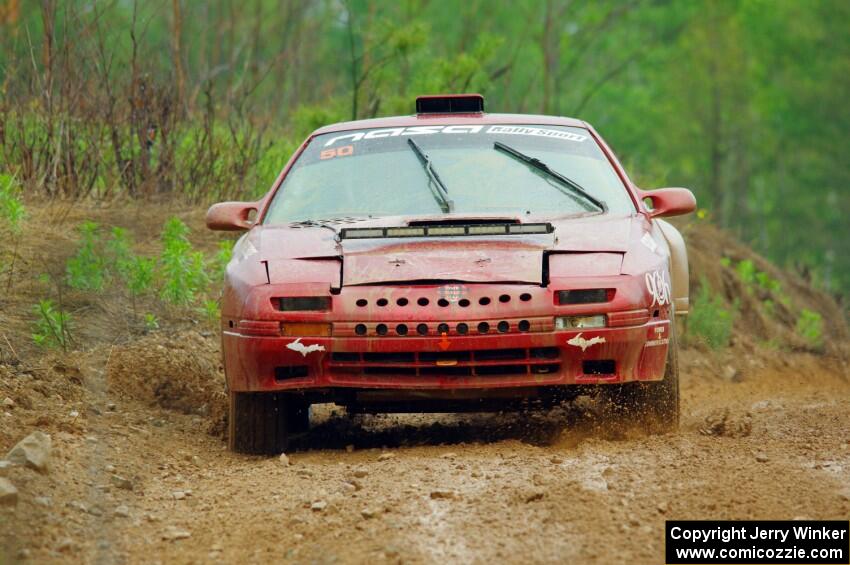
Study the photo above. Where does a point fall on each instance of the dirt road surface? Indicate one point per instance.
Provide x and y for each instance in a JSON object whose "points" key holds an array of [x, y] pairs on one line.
{"points": [[132, 483]]}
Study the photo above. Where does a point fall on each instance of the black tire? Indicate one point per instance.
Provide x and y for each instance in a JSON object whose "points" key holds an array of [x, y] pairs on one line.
{"points": [[261, 422], [659, 400], [653, 405]]}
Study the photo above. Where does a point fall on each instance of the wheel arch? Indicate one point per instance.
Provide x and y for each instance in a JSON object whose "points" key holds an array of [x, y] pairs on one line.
{"points": [[680, 285]]}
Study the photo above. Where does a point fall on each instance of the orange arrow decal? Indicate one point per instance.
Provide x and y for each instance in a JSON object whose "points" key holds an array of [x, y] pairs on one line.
{"points": [[444, 341]]}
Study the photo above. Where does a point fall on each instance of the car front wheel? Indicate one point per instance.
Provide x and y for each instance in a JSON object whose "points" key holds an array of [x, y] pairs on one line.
{"points": [[262, 422]]}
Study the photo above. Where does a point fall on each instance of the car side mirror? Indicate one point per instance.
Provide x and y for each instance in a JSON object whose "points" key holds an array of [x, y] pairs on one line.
{"points": [[232, 216], [670, 201]]}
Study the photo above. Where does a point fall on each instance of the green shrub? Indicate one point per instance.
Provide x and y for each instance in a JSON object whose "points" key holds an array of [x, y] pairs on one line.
{"points": [[747, 273], [181, 270], [12, 211], [219, 262], [710, 320], [211, 311], [52, 326], [151, 322], [87, 269], [810, 327], [119, 248]]}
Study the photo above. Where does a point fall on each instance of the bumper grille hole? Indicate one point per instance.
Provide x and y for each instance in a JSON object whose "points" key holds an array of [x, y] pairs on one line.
{"points": [[389, 357], [441, 356], [402, 301], [545, 352], [345, 357], [484, 300], [290, 372], [442, 303], [500, 370], [362, 302], [499, 354], [483, 328], [382, 302], [443, 328], [401, 329], [423, 301], [525, 297], [422, 329], [524, 326], [360, 329], [503, 327], [599, 367], [504, 298], [463, 303], [389, 371], [381, 329], [446, 371], [545, 369], [462, 329]]}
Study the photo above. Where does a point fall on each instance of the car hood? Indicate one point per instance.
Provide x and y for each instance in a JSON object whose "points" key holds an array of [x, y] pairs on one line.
{"points": [[518, 258]]}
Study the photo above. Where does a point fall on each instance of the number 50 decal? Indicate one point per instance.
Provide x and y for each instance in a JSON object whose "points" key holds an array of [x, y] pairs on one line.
{"points": [[343, 151]]}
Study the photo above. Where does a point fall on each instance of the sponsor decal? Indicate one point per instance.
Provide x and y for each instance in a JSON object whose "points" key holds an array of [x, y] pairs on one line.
{"points": [[657, 342], [649, 242], [579, 341], [404, 132], [454, 129], [537, 132], [658, 287], [452, 292], [304, 349], [659, 329]]}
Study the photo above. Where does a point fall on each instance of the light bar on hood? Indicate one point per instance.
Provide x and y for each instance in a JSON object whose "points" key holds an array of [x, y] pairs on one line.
{"points": [[451, 230]]}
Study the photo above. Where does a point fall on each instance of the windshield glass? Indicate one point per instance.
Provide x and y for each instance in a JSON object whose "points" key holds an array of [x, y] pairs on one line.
{"points": [[376, 172]]}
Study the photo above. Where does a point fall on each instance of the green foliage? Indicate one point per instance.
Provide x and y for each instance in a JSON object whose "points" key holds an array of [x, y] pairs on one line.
{"points": [[151, 322], [52, 327], [747, 273], [211, 311], [119, 249], [710, 320], [86, 270], [810, 327], [12, 211], [219, 262], [140, 275], [181, 269]]}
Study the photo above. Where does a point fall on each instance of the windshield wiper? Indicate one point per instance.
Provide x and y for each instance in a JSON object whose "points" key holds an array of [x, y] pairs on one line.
{"points": [[574, 187], [441, 193]]}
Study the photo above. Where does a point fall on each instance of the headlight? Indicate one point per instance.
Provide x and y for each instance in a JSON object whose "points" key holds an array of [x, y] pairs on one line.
{"points": [[244, 249], [580, 322]]}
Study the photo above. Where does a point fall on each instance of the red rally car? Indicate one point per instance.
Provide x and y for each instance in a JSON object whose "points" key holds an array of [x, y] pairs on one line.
{"points": [[449, 260]]}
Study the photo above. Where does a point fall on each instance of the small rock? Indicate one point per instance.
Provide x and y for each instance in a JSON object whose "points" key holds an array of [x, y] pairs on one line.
{"points": [[95, 511], [663, 508], [442, 494], [284, 460], [5, 466], [298, 537], [33, 451], [8, 493], [110, 406], [349, 448], [122, 482], [91, 439], [122, 511], [43, 501], [8, 402], [555, 460], [318, 506], [449, 455], [77, 505], [386, 456], [360, 473], [306, 473], [368, 513], [534, 496], [173, 533], [178, 495], [24, 553], [74, 414], [731, 374], [109, 468], [67, 545], [762, 458]]}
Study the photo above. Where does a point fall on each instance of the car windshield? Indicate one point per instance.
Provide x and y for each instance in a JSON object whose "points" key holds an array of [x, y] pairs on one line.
{"points": [[378, 172]]}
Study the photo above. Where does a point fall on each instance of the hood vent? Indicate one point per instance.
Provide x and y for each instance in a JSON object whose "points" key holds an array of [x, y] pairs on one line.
{"points": [[447, 230]]}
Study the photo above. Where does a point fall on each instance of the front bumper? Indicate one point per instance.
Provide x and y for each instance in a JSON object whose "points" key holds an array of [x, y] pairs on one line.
{"points": [[541, 358]]}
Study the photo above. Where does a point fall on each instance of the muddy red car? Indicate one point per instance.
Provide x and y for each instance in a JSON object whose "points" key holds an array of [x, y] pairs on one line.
{"points": [[450, 260]]}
